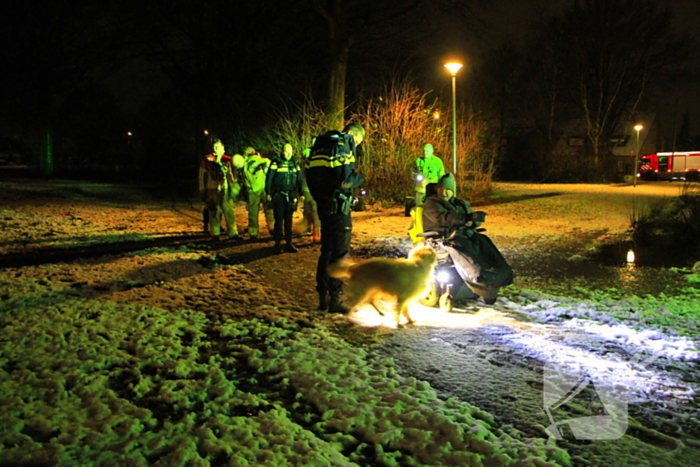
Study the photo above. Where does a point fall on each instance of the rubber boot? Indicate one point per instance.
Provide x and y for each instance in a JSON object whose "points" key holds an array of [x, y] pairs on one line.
{"points": [[278, 248], [323, 301], [337, 305], [290, 248]]}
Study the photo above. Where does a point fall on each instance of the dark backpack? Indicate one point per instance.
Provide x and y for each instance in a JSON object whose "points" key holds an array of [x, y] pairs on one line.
{"points": [[323, 144]]}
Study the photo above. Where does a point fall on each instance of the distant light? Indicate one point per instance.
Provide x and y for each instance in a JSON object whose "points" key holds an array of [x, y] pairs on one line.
{"points": [[206, 132], [128, 133], [630, 256], [436, 115], [638, 127], [453, 67]]}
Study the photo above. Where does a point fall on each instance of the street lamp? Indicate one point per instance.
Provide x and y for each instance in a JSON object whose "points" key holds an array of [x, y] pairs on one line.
{"points": [[639, 128], [454, 68]]}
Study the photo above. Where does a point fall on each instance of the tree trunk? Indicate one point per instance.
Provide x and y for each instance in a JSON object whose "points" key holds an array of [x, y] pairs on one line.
{"points": [[336, 88], [46, 153]]}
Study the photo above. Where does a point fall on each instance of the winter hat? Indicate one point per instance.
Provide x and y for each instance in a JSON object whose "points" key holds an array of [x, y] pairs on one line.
{"points": [[447, 181]]}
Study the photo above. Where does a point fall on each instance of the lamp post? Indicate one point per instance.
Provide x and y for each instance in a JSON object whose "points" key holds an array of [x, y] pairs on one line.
{"points": [[639, 128], [454, 68]]}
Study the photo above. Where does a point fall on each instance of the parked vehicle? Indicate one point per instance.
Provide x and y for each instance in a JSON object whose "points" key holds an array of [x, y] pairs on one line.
{"points": [[670, 166]]}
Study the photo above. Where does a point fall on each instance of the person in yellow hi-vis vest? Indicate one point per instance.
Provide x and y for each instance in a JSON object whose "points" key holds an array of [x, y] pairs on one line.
{"points": [[427, 170], [255, 170]]}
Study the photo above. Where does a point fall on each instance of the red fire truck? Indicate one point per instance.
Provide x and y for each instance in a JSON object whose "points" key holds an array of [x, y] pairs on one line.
{"points": [[670, 166]]}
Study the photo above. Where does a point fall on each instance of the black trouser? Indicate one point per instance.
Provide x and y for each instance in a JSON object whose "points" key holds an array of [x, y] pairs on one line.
{"points": [[335, 244], [283, 210]]}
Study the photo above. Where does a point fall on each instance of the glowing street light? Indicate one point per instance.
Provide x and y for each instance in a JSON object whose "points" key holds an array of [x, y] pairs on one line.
{"points": [[454, 68], [639, 128]]}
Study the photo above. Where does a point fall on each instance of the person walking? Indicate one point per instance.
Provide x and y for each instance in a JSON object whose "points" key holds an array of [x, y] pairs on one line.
{"points": [[331, 175], [218, 188], [283, 188], [255, 169]]}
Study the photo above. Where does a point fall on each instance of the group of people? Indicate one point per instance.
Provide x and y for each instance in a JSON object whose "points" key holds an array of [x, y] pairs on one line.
{"points": [[324, 184], [276, 185]]}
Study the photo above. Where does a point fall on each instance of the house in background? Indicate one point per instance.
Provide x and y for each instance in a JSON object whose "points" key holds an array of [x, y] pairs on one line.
{"points": [[623, 143]]}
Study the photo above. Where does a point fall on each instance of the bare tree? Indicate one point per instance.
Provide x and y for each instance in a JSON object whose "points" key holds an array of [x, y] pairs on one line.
{"points": [[352, 24], [607, 55]]}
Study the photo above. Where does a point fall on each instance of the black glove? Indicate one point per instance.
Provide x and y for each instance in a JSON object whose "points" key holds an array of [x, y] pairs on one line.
{"points": [[479, 216]]}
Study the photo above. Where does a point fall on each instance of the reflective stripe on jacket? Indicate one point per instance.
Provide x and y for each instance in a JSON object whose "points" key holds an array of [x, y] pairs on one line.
{"points": [[431, 168], [215, 175], [283, 176], [331, 166]]}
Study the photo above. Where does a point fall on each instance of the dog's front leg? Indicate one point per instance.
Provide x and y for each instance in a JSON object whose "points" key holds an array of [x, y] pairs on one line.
{"points": [[376, 307], [403, 310]]}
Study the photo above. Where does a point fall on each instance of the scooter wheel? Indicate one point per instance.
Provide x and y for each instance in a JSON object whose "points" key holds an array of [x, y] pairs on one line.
{"points": [[446, 304], [431, 297]]}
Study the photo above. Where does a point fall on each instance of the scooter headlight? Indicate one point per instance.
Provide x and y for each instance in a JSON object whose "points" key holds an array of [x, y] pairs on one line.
{"points": [[443, 277]]}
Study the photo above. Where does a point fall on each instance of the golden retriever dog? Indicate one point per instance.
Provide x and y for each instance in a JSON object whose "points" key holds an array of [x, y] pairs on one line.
{"points": [[403, 279]]}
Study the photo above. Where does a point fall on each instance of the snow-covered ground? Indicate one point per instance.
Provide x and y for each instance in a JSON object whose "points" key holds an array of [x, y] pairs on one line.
{"points": [[185, 352]]}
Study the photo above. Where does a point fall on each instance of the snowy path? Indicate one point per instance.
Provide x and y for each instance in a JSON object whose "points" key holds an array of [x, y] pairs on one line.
{"points": [[502, 359]]}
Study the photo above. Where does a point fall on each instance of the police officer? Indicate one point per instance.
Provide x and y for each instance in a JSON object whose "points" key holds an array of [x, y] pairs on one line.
{"points": [[283, 188], [331, 175]]}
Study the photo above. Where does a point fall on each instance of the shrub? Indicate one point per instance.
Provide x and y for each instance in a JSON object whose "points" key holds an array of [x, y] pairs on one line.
{"points": [[670, 224]]}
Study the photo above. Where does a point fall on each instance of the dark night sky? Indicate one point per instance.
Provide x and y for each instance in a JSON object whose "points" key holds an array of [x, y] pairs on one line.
{"points": [[510, 21], [500, 21], [503, 20], [686, 98]]}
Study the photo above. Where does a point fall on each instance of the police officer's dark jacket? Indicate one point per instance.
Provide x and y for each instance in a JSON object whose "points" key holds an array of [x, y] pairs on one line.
{"points": [[283, 176], [331, 167]]}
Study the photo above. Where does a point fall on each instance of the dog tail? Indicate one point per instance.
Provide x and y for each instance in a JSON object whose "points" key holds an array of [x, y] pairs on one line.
{"points": [[341, 269]]}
